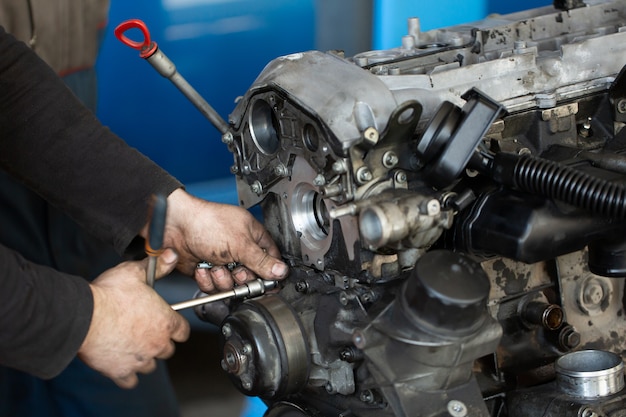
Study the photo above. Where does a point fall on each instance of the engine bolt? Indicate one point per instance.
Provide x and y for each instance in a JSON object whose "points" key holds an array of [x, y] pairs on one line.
{"points": [[593, 293], [256, 187], [457, 408], [343, 298], [433, 207], [234, 169], [390, 159], [587, 412], [302, 286], [568, 338], [339, 167], [246, 383], [227, 331], [227, 138], [246, 349], [366, 396], [350, 354], [358, 338], [621, 106], [400, 177], [281, 170], [329, 388], [319, 180], [364, 175]]}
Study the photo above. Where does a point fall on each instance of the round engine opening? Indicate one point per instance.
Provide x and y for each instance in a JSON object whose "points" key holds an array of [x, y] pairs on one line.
{"points": [[264, 127], [310, 215], [590, 373]]}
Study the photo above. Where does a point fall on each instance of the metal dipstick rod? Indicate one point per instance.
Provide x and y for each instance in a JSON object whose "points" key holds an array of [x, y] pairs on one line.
{"points": [[248, 290], [164, 66]]}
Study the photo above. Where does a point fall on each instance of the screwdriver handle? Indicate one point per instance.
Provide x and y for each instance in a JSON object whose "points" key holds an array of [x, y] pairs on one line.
{"points": [[156, 230]]}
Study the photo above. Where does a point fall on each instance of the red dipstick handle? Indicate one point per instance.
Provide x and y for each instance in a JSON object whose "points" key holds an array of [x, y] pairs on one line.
{"points": [[146, 47]]}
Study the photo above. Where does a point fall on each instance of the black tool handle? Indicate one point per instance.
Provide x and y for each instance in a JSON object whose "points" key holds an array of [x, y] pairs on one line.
{"points": [[157, 225]]}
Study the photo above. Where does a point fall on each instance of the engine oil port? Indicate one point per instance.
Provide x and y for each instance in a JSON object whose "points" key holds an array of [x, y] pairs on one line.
{"points": [[590, 373]]}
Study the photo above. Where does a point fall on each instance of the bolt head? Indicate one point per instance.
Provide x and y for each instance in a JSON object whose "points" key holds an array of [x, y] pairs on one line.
{"points": [[227, 138], [227, 331]]}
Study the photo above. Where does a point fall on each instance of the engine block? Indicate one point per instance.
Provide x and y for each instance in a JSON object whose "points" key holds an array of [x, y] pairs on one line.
{"points": [[453, 212]]}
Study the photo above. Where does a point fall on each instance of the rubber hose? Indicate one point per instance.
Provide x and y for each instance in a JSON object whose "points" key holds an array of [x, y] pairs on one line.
{"points": [[551, 179]]}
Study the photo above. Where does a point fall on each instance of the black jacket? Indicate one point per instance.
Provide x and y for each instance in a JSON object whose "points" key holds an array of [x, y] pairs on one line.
{"points": [[53, 144]]}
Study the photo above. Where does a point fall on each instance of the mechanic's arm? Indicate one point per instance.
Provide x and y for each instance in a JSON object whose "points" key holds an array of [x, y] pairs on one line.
{"points": [[117, 323]]}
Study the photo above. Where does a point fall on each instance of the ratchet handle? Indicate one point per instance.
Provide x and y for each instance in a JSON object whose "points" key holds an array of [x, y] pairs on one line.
{"points": [[146, 47]]}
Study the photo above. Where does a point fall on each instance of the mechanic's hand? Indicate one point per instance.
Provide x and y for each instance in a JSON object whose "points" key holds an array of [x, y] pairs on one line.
{"points": [[220, 233], [131, 324]]}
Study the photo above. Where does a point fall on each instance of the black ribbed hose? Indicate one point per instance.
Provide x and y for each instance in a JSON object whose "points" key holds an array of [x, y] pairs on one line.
{"points": [[551, 179]]}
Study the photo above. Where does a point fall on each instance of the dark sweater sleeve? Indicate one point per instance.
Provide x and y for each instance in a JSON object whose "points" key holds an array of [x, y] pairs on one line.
{"points": [[58, 148], [44, 316]]}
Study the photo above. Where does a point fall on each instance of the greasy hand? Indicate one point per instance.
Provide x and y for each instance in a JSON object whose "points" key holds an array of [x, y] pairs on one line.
{"points": [[220, 233], [131, 324]]}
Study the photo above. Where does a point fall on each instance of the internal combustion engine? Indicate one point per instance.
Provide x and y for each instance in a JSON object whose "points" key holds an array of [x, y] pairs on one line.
{"points": [[453, 212]]}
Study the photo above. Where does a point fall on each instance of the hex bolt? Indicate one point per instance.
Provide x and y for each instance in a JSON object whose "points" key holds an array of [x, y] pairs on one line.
{"points": [[227, 138], [350, 354], [256, 187], [231, 360], [457, 408], [364, 175], [281, 170], [400, 177], [433, 207], [621, 105], [246, 383], [234, 169], [358, 338], [347, 355], [302, 286], [568, 338], [245, 168], [366, 396], [227, 331], [319, 180], [585, 128], [593, 293], [339, 167], [246, 349], [343, 298], [390, 159]]}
